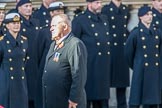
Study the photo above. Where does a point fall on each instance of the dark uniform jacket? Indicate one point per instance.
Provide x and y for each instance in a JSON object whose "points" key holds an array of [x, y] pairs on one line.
{"points": [[30, 29], [64, 75], [2, 30], [118, 19], [157, 19], [13, 87], [93, 30], [42, 46], [143, 50], [43, 16]]}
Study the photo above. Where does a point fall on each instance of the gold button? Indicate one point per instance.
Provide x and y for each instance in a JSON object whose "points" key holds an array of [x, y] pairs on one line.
{"points": [[146, 64], [141, 30], [145, 55], [111, 9], [24, 30], [36, 28], [143, 38], [92, 25], [28, 57], [144, 46], [24, 50], [98, 43], [9, 50], [108, 53], [124, 35], [44, 13], [113, 26], [156, 37], [114, 35], [157, 64], [105, 24], [23, 77], [47, 21], [108, 43], [125, 17], [107, 33], [157, 46], [7, 42], [99, 53], [89, 16], [23, 59], [11, 68], [157, 22], [115, 44], [10, 59], [22, 41], [112, 17], [23, 68], [125, 25], [96, 34], [124, 43], [156, 55], [12, 77]]}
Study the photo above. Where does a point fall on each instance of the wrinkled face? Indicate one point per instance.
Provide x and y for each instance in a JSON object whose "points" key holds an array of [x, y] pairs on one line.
{"points": [[95, 6], [26, 9], [57, 28], [147, 18], [13, 27], [56, 12], [2, 15], [157, 4]]}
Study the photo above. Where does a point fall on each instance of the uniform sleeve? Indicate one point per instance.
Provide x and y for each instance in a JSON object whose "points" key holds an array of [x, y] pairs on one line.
{"points": [[130, 49], [76, 27], [1, 53], [78, 63]]}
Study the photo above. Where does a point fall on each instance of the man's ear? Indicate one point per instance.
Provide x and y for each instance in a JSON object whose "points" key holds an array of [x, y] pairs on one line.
{"points": [[65, 26]]}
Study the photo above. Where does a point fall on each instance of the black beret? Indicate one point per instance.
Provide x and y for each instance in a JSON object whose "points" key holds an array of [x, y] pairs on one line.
{"points": [[91, 0], [143, 10], [21, 2]]}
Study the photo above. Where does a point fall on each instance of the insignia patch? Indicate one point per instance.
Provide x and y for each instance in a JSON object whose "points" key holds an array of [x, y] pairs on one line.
{"points": [[1, 38], [56, 57]]}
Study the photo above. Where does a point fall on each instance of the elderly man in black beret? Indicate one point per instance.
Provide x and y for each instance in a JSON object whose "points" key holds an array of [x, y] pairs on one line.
{"points": [[30, 29], [93, 29], [143, 50]]}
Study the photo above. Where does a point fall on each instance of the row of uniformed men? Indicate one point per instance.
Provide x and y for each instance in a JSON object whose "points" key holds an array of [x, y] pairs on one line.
{"points": [[101, 36]]}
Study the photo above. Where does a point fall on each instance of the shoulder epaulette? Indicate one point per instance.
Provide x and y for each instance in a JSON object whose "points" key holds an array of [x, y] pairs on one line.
{"points": [[135, 28], [25, 38], [1, 38]]}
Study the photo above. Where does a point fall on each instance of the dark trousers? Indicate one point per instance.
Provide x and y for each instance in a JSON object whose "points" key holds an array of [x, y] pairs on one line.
{"points": [[121, 97], [97, 103], [144, 106], [31, 104]]}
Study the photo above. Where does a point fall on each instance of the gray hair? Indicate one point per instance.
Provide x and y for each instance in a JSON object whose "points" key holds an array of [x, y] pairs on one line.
{"points": [[64, 18]]}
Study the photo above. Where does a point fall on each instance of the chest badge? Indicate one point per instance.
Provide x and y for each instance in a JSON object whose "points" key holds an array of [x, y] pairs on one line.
{"points": [[56, 57]]}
